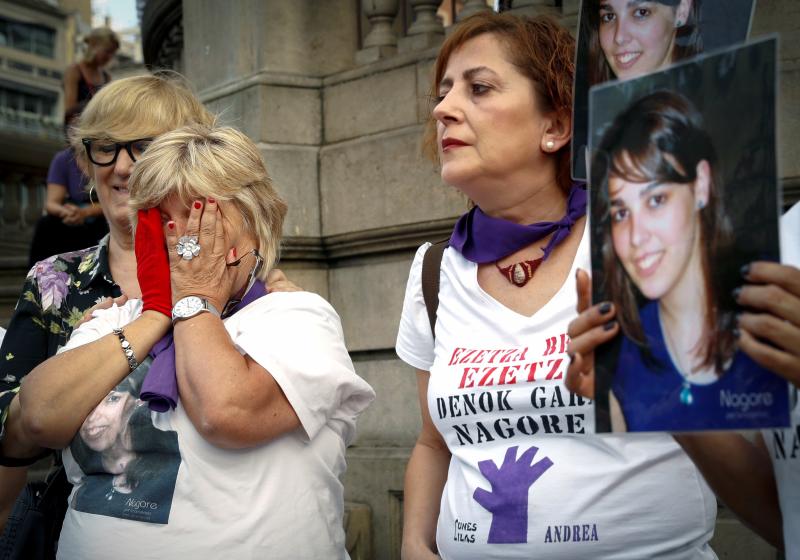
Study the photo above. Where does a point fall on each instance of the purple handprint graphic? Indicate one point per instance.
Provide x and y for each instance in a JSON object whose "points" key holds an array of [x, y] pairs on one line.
{"points": [[508, 500]]}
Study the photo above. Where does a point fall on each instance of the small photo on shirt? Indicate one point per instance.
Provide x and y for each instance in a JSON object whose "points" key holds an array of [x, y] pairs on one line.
{"points": [[684, 193], [624, 39], [129, 467]]}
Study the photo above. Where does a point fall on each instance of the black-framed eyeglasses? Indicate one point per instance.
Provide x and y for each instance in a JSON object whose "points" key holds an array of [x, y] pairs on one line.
{"points": [[105, 152]]}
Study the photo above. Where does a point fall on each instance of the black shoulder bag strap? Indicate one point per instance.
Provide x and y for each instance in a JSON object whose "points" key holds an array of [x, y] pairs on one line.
{"points": [[431, 267]]}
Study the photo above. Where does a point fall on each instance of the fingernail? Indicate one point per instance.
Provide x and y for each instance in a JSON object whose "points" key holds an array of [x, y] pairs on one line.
{"points": [[736, 293], [610, 325], [605, 307], [211, 200], [171, 225], [737, 333], [745, 270], [198, 205]]}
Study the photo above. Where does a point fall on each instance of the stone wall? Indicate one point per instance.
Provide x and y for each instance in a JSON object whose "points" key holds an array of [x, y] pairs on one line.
{"points": [[342, 142]]}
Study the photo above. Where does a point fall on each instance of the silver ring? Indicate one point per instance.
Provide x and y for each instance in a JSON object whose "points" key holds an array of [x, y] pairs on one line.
{"points": [[187, 247]]}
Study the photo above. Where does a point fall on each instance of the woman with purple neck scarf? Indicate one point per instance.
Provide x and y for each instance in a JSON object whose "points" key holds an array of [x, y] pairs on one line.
{"points": [[506, 465], [252, 397]]}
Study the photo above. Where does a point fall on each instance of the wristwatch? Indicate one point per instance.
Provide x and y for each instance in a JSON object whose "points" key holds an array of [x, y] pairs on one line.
{"points": [[190, 306]]}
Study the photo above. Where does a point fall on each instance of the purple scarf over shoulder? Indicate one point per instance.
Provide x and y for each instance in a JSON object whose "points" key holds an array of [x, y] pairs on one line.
{"points": [[484, 239], [160, 387]]}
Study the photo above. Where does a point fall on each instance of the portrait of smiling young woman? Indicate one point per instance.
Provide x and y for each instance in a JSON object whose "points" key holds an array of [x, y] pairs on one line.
{"points": [[668, 261], [639, 37], [654, 231], [625, 39]]}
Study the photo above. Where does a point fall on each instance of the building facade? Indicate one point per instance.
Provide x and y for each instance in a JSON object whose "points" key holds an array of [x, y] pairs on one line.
{"points": [[37, 42], [335, 93]]}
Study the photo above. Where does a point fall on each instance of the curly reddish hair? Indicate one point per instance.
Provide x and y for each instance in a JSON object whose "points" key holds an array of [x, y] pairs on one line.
{"points": [[540, 48]]}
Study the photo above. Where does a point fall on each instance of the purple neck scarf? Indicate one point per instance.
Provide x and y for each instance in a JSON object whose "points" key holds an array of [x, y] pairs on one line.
{"points": [[484, 239], [160, 387]]}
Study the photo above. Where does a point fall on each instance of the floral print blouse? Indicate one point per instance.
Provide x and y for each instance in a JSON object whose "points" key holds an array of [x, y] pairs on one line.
{"points": [[57, 291]]}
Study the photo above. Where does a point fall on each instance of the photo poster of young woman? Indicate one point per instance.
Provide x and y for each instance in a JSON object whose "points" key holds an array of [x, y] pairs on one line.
{"points": [[683, 193], [122, 464], [624, 39]]}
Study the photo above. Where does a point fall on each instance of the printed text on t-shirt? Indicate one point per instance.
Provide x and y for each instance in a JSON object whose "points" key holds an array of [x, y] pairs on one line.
{"points": [[507, 366], [488, 381]]}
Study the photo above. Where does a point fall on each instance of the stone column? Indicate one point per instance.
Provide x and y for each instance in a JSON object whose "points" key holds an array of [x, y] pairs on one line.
{"points": [[12, 199], [472, 7], [381, 41], [358, 531], [426, 31], [534, 7], [33, 209], [569, 14], [519, 4]]}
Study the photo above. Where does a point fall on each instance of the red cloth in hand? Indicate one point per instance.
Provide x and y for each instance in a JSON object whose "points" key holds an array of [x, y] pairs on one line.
{"points": [[152, 263]]}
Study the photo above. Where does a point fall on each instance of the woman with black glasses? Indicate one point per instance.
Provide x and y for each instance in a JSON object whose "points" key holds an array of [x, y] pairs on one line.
{"points": [[112, 134], [59, 290]]}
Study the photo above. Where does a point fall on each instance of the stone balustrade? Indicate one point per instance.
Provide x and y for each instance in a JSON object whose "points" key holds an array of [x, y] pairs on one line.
{"points": [[386, 36], [23, 122], [28, 141], [22, 194]]}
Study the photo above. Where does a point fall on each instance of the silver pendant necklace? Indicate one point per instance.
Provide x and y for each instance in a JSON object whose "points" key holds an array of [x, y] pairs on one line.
{"points": [[685, 396]]}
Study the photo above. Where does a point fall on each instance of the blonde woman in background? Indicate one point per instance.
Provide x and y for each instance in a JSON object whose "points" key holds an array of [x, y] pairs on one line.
{"points": [[83, 79], [60, 289]]}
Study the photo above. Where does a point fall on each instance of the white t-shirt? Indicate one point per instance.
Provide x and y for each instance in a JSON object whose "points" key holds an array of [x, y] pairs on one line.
{"points": [[784, 448], [784, 445], [282, 499], [496, 394]]}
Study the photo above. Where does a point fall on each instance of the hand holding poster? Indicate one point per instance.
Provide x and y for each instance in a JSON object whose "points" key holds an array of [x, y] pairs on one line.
{"points": [[682, 197]]}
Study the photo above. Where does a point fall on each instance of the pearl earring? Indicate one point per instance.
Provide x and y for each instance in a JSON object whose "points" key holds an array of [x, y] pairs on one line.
{"points": [[679, 22], [549, 144], [701, 204]]}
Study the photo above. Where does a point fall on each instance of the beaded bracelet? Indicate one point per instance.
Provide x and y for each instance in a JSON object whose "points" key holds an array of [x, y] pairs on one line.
{"points": [[127, 349]]}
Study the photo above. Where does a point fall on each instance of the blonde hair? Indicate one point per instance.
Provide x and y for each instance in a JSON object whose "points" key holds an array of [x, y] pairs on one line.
{"points": [[98, 38], [137, 107], [200, 161]]}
